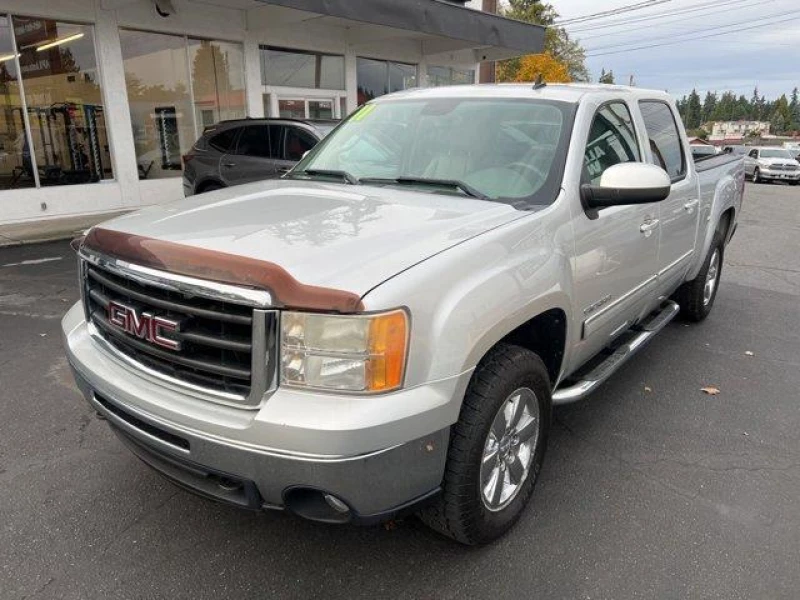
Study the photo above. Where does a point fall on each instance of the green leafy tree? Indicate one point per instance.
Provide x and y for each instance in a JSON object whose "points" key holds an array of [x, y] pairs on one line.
{"points": [[781, 117], [794, 110], [557, 41], [606, 77], [709, 105]]}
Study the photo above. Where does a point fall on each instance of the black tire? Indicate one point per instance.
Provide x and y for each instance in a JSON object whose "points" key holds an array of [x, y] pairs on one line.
{"points": [[461, 512], [794, 183], [692, 295], [210, 187], [756, 173]]}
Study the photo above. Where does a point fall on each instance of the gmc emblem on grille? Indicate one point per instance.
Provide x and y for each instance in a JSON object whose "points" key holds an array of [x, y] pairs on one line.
{"points": [[145, 326]]}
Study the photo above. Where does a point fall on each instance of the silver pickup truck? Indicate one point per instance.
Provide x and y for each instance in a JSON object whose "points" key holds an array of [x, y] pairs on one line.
{"points": [[388, 327]]}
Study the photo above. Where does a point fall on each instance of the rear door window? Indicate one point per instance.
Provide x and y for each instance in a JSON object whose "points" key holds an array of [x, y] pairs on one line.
{"points": [[224, 140], [612, 140], [255, 141], [665, 141], [297, 143]]}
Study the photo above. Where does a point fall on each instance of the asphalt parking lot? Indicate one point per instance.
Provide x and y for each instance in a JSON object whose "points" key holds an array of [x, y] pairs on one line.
{"points": [[651, 488]]}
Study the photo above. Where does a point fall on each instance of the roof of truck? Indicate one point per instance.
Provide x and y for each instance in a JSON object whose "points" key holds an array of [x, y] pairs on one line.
{"points": [[566, 92]]}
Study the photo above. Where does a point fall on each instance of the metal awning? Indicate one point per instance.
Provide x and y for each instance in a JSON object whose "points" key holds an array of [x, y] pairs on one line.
{"points": [[433, 17]]}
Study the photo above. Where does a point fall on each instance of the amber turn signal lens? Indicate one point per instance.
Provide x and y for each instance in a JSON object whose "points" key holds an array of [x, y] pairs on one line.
{"points": [[388, 338]]}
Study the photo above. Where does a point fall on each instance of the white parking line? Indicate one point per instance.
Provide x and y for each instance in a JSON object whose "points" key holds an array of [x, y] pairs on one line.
{"points": [[33, 261]]}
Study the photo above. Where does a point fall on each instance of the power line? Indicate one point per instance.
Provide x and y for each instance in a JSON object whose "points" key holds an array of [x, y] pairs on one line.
{"points": [[680, 11], [613, 12], [702, 37], [690, 33], [741, 4]]}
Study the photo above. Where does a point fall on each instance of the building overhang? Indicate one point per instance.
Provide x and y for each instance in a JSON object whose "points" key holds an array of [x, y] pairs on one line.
{"points": [[454, 27]]}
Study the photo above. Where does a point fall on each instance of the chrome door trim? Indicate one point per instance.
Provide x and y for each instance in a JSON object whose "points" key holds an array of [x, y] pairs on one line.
{"points": [[675, 263], [588, 323]]}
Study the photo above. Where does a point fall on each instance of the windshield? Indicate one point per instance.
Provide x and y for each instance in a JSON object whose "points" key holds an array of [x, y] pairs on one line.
{"points": [[506, 150], [777, 153]]}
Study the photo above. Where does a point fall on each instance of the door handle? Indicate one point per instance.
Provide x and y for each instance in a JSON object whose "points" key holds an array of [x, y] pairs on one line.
{"points": [[690, 206], [228, 165], [648, 226]]}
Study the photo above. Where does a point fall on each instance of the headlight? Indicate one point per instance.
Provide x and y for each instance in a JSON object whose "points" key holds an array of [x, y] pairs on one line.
{"points": [[356, 353]]}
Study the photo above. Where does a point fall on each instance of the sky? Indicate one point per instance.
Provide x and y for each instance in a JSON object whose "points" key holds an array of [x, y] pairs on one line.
{"points": [[760, 46]]}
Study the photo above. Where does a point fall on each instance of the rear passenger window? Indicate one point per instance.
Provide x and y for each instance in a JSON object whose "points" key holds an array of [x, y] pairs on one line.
{"points": [[665, 141], [254, 141], [612, 140], [298, 142], [223, 141]]}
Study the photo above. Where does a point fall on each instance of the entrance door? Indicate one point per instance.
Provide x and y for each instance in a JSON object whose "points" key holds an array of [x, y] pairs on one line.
{"points": [[615, 248], [306, 108]]}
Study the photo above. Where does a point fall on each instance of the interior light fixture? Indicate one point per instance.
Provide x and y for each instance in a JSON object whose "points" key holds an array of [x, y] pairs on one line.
{"points": [[55, 43]]}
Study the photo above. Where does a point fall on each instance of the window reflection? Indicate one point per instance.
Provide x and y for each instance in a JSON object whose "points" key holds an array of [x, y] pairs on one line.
{"points": [[68, 142], [378, 77]]}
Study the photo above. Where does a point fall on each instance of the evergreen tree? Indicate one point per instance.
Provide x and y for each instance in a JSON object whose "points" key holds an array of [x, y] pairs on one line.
{"points": [[781, 117], [606, 77], [709, 105], [694, 110], [794, 110]]}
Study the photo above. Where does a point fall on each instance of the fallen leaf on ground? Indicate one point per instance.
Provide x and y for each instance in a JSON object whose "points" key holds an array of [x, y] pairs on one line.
{"points": [[648, 389], [711, 391], [749, 353], [390, 525]]}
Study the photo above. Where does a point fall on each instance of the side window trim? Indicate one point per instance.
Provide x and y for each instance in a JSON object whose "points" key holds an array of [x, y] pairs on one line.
{"points": [[684, 163]]}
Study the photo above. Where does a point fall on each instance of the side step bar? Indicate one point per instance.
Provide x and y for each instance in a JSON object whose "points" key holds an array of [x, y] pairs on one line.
{"points": [[642, 333]]}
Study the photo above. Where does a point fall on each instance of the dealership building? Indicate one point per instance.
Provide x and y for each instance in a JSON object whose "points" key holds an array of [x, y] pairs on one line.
{"points": [[101, 98]]}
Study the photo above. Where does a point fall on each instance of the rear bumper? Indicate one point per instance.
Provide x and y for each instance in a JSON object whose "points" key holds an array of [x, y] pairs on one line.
{"points": [[210, 449]]}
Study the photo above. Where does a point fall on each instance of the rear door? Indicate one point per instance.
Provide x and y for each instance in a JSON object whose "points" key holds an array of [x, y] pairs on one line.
{"points": [[252, 159], [296, 142], [615, 248], [678, 214]]}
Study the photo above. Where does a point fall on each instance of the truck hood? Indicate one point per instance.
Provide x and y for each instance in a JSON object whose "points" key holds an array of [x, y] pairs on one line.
{"points": [[331, 235]]}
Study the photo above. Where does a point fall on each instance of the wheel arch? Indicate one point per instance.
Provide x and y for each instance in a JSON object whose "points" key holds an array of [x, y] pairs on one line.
{"points": [[205, 183]]}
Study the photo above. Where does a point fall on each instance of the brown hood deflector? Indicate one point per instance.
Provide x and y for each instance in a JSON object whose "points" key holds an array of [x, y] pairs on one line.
{"points": [[221, 267]]}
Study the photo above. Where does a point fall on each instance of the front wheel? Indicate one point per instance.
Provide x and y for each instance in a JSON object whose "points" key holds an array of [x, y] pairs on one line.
{"points": [[496, 448], [696, 297]]}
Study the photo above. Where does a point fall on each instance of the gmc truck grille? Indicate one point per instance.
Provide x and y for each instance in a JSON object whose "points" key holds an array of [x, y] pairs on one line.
{"points": [[208, 345]]}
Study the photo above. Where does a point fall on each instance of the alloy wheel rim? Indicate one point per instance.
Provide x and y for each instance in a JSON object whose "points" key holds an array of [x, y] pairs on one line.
{"points": [[711, 278], [509, 449]]}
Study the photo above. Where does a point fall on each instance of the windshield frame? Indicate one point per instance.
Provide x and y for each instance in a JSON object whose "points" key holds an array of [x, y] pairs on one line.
{"points": [[545, 195]]}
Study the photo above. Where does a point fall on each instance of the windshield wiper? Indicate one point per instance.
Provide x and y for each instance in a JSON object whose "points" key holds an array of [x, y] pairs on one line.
{"points": [[348, 177], [449, 183]]}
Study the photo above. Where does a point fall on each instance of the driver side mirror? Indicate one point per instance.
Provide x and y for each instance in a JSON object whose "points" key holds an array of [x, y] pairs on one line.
{"points": [[625, 184]]}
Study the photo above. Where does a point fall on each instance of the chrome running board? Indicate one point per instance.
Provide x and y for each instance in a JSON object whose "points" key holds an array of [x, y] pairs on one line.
{"points": [[635, 338]]}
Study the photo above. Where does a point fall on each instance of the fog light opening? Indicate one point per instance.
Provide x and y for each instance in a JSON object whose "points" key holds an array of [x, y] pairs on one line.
{"points": [[316, 505]]}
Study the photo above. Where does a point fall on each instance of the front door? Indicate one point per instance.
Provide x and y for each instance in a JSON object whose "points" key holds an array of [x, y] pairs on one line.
{"points": [[678, 214], [615, 248], [254, 157]]}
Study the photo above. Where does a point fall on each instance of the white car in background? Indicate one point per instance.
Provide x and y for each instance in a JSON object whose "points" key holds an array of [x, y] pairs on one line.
{"points": [[772, 164]]}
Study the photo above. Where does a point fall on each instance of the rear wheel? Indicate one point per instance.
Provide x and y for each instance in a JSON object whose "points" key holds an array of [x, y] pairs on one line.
{"points": [[496, 448], [696, 297]]}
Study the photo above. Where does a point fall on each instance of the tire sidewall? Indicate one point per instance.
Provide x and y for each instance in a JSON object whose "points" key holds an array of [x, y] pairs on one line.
{"points": [[720, 247], [492, 524]]}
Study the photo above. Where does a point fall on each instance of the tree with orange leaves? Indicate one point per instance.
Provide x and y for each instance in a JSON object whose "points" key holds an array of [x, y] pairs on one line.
{"points": [[531, 66]]}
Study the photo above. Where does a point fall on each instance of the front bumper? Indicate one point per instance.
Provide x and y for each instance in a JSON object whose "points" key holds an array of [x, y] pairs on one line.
{"points": [[766, 173], [376, 459]]}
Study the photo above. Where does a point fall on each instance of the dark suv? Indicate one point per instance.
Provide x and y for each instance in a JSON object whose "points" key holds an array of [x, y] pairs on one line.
{"points": [[245, 150]]}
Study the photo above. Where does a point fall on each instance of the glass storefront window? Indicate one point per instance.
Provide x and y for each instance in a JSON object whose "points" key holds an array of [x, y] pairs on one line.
{"points": [[378, 77], [298, 69], [68, 142], [157, 80], [164, 74], [292, 109], [217, 81], [16, 169], [438, 76]]}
